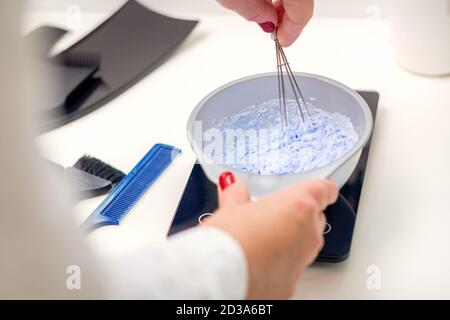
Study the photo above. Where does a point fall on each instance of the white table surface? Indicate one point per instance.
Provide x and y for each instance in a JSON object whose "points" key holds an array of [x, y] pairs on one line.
{"points": [[404, 215]]}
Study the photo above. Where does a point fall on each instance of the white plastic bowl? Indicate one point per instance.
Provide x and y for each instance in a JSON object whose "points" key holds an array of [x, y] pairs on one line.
{"points": [[231, 98]]}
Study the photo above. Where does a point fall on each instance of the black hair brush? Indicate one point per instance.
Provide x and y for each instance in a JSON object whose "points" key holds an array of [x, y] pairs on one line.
{"points": [[99, 168]]}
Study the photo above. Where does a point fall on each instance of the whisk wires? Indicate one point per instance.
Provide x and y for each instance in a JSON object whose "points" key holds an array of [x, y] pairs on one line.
{"points": [[282, 63]]}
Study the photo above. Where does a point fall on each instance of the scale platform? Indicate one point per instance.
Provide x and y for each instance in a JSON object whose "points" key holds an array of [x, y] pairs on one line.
{"points": [[200, 197]]}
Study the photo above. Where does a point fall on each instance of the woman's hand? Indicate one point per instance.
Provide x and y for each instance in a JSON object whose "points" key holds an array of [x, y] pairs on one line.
{"points": [[290, 16], [280, 234]]}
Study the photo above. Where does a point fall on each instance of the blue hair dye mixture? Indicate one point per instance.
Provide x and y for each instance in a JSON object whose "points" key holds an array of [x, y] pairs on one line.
{"points": [[320, 139]]}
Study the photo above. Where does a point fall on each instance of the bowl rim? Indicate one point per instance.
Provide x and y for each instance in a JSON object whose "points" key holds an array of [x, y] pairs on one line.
{"points": [[331, 167]]}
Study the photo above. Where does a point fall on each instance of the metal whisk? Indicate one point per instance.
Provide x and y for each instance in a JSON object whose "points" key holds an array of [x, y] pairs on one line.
{"points": [[283, 62]]}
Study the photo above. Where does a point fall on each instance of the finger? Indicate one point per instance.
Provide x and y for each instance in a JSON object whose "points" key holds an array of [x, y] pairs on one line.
{"points": [[259, 11], [322, 222], [231, 190], [279, 8], [296, 16], [320, 192], [323, 191]]}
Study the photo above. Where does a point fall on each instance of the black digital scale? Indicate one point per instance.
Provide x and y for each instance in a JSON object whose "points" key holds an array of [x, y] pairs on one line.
{"points": [[200, 197]]}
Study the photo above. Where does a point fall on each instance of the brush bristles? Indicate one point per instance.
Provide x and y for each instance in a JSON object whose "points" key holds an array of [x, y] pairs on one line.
{"points": [[79, 59], [100, 169]]}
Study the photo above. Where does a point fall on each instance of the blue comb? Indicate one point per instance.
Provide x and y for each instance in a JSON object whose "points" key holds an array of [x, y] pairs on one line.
{"points": [[128, 191]]}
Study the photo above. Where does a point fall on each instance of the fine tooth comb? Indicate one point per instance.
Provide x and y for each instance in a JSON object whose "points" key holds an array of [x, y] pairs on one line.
{"points": [[131, 188]]}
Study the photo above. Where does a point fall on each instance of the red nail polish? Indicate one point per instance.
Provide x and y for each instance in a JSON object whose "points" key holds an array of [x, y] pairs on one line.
{"points": [[268, 27], [226, 179]]}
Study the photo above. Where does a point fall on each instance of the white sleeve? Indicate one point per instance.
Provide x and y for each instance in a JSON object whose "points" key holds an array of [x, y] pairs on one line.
{"points": [[38, 238], [200, 263]]}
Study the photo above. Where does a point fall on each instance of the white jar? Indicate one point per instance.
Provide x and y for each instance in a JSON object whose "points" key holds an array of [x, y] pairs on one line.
{"points": [[420, 33]]}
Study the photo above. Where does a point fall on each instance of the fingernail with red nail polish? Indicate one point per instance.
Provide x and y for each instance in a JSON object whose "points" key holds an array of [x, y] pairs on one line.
{"points": [[226, 179], [268, 27]]}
